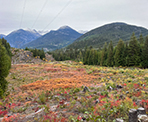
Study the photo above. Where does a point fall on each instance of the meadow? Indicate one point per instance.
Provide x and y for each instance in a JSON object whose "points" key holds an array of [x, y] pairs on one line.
{"points": [[70, 91]]}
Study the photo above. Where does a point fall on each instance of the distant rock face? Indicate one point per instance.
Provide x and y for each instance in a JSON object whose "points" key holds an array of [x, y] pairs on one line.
{"points": [[20, 37], [21, 56]]}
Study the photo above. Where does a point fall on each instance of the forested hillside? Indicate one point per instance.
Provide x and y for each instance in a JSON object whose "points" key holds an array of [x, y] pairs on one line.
{"points": [[109, 32], [133, 53]]}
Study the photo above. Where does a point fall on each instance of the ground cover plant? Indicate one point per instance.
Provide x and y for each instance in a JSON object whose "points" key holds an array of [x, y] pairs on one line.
{"points": [[70, 91]]}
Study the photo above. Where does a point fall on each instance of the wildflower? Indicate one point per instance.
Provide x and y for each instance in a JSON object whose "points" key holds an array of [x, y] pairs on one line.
{"points": [[65, 92], [79, 118], [134, 104]]}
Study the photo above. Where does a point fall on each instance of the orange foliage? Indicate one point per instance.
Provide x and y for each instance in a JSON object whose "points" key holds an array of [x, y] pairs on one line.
{"points": [[73, 81]]}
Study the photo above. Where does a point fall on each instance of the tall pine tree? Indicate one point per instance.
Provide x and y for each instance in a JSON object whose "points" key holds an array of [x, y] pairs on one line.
{"points": [[104, 55], [110, 55], [134, 52], [145, 54], [118, 59]]}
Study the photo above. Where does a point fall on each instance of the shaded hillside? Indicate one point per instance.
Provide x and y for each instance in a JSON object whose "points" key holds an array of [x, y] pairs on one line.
{"points": [[114, 31], [20, 37], [55, 39]]}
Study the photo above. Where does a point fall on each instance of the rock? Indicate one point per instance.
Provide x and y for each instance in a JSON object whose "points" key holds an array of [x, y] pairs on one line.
{"points": [[119, 87], [9, 115], [127, 92], [5, 107], [97, 101], [121, 96], [83, 118], [40, 113], [85, 89], [119, 120], [110, 88]]}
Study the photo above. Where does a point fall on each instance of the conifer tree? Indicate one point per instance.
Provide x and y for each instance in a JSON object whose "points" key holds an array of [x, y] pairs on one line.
{"points": [[124, 54], [4, 68], [145, 54], [141, 39], [95, 57], [91, 57], [80, 56], [86, 56], [118, 54], [134, 52], [7, 46], [104, 55], [99, 57], [110, 55]]}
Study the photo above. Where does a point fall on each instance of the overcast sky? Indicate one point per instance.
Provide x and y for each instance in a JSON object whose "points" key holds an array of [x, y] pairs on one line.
{"points": [[78, 14]]}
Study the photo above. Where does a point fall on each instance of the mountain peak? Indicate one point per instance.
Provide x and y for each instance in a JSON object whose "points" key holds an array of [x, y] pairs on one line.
{"points": [[64, 27], [119, 23]]}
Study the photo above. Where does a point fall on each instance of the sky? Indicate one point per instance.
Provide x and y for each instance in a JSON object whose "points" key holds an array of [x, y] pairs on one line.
{"points": [[78, 14]]}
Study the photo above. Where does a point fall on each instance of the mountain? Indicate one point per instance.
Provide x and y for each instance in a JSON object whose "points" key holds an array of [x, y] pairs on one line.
{"points": [[2, 36], [43, 32], [82, 31], [114, 31], [55, 39], [20, 37]]}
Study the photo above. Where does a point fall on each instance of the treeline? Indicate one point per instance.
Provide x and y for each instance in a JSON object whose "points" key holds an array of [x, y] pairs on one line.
{"points": [[132, 53], [5, 64], [37, 52]]}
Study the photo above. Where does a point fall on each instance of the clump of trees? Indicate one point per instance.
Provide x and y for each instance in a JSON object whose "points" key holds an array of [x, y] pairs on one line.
{"points": [[131, 53], [37, 52], [5, 64]]}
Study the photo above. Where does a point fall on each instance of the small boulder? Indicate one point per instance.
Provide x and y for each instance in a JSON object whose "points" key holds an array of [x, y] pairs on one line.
{"points": [[85, 89], [119, 87]]}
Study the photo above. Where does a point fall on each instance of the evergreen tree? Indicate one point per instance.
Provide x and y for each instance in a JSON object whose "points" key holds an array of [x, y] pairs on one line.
{"points": [[145, 54], [110, 55], [118, 59], [80, 57], [99, 57], [141, 39], [4, 68], [86, 56], [104, 55], [134, 52], [91, 57], [42, 54], [95, 57], [124, 54], [7, 46]]}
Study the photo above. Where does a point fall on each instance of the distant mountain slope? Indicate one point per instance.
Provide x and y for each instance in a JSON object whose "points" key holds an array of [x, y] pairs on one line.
{"points": [[20, 37], [2, 36], [114, 31], [55, 39]]}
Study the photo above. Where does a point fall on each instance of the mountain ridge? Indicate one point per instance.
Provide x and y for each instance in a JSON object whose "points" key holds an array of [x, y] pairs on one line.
{"points": [[112, 31], [55, 39]]}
